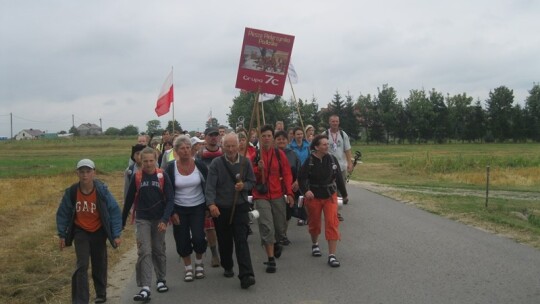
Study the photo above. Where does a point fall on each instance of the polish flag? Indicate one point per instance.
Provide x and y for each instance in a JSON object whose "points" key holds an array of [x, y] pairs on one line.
{"points": [[166, 96]]}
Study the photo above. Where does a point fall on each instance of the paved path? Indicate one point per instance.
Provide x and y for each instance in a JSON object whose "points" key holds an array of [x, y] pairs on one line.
{"points": [[390, 253]]}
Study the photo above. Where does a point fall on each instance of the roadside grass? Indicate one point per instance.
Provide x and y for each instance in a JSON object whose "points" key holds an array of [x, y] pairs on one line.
{"points": [[516, 219], [442, 178]]}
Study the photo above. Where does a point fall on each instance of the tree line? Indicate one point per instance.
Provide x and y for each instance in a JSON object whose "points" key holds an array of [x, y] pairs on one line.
{"points": [[423, 116]]}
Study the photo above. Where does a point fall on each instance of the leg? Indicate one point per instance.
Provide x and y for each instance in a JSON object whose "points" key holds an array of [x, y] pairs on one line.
{"points": [[98, 256], [143, 268], [159, 257], [79, 281], [240, 235], [224, 239]]}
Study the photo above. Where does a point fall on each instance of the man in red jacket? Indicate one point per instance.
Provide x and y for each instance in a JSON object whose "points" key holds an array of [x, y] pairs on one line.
{"points": [[274, 180]]}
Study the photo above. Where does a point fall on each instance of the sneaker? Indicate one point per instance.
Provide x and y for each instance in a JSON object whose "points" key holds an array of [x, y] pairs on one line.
{"points": [[228, 273], [285, 241], [247, 281], [300, 223], [340, 218], [100, 299], [271, 266]]}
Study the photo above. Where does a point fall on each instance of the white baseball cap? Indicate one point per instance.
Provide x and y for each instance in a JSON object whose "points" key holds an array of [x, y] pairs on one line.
{"points": [[195, 140], [86, 163]]}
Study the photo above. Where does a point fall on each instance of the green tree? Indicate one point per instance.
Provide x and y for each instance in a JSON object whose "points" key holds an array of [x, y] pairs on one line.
{"points": [[459, 113], [153, 127], [386, 106], [475, 123], [274, 110], [518, 127], [421, 115], [365, 107], [112, 131], [439, 124], [499, 111], [177, 126], [532, 111], [129, 130]]}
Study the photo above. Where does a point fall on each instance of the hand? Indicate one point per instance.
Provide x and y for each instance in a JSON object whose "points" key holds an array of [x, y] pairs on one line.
{"points": [[62, 243], [239, 186], [295, 186], [162, 227], [345, 200], [175, 219], [350, 167], [260, 164], [290, 199], [214, 210], [309, 194], [117, 242]]}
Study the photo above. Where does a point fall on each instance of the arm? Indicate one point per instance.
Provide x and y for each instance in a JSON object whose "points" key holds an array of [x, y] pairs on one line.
{"points": [[348, 153], [63, 217], [115, 216], [340, 183], [168, 191], [210, 193], [130, 198]]}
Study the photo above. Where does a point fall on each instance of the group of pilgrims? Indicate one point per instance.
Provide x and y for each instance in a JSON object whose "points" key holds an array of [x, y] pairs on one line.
{"points": [[212, 187]]}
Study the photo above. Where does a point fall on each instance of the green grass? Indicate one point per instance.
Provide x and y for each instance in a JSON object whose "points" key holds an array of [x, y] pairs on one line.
{"points": [[58, 156]]}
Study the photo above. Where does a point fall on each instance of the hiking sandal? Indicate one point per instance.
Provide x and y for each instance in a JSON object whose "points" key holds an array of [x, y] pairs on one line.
{"points": [[188, 277], [332, 261], [143, 295], [161, 287], [315, 250], [199, 271]]}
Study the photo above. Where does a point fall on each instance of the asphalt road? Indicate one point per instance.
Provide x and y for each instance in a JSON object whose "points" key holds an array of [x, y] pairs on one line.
{"points": [[389, 253]]}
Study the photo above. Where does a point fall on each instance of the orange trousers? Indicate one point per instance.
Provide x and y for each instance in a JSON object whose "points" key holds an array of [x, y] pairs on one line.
{"points": [[328, 206]]}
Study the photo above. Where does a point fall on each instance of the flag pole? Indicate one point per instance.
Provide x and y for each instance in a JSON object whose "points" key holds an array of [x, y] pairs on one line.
{"points": [[262, 107], [172, 79], [296, 102]]}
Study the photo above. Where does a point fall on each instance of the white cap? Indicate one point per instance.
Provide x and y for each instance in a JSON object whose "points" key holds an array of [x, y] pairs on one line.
{"points": [[196, 140], [86, 163]]}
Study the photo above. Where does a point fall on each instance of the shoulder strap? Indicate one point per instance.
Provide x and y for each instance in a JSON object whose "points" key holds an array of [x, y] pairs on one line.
{"points": [[227, 168], [73, 193], [278, 155], [161, 179]]}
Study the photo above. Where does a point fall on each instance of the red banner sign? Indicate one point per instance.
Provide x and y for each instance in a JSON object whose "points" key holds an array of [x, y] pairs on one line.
{"points": [[264, 61]]}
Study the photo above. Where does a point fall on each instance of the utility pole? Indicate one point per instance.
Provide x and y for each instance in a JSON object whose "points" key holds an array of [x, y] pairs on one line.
{"points": [[11, 123], [101, 125], [73, 120]]}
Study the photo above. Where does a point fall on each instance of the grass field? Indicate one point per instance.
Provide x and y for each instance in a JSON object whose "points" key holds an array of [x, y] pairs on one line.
{"points": [[448, 180]]}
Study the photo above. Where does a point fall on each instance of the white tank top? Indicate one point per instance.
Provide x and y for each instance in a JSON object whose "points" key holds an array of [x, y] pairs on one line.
{"points": [[188, 191]]}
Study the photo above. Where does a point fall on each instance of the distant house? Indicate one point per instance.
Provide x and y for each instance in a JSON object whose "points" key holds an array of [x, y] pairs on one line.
{"points": [[87, 129], [29, 134], [49, 135]]}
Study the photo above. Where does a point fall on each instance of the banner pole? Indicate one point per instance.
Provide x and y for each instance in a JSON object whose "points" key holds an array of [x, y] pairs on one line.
{"points": [[262, 108], [172, 79], [297, 105]]}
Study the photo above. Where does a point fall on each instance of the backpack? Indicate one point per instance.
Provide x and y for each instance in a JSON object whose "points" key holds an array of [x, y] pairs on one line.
{"points": [[138, 180]]}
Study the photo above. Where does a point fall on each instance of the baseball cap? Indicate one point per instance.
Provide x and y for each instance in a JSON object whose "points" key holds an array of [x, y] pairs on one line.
{"points": [[195, 140], [86, 163], [211, 130]]}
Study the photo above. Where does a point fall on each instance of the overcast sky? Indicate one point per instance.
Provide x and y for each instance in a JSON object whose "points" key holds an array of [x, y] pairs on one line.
{"points": [[108, 59]]}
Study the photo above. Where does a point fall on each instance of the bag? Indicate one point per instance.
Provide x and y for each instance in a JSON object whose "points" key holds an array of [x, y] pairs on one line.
{"points": [[298, 212], [261, 188]]}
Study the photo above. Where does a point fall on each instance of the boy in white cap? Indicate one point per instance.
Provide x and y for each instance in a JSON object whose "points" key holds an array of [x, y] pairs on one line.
{"points": [[88, 215]]}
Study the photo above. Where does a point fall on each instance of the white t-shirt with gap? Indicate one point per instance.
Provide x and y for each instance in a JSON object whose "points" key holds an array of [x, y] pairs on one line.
{"points": [[188, 191]]}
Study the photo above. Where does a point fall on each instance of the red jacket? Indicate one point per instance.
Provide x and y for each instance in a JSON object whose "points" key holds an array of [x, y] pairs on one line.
{"points": [[279, 181]]}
